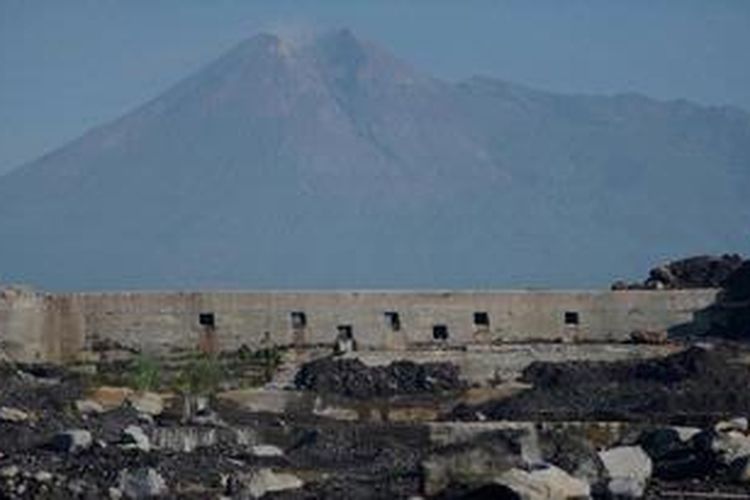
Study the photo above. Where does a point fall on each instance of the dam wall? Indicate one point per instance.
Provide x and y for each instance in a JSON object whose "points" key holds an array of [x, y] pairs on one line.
{"points": [[36, 326]]}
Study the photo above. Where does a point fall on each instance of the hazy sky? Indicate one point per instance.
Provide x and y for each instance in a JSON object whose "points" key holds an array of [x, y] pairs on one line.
{"points": [[66, 66]]}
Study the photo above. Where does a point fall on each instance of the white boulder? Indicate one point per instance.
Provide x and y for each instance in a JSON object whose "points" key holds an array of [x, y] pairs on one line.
{"points": [[8, 414], [629, 469], [544, 483]]}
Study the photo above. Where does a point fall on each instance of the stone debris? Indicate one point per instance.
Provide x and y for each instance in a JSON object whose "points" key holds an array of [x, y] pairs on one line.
{"points": [[258, 483], [352, 378], [88, 407], [296, 454], [109, 397], [141, 483], [738, 424], [9, 471], [629, 469], [43, 476], [13, 415], [72, 441], [545, 482], [266, 450], [474, 463], [133, 437], [697, 382], [148, 403], [730, 446]]}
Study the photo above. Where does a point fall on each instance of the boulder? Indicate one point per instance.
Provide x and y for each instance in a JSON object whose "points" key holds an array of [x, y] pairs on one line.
{"points": [[43, 476], [72, 441], [258, 483], [133, 437], [686, 433], [109, 397], [729, 446], [149, 403], [266, 450], [474, 463], [10, 471], [574, 453], [88, 407], [8, 414], [545, 482], [674, 454], [735, 424], [629, 469], [658, 443], [141, 483]]}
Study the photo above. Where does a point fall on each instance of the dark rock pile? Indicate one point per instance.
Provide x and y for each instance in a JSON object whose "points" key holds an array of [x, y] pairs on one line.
{"points": [[352, 378], [735, 304], [695, 385], [704, 271], [737, 285]]}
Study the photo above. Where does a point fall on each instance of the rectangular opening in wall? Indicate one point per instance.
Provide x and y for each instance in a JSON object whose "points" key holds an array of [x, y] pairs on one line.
{"points": [[481, 319], [207, 319], [345, 332], [440, 332], [394, 320], [299, 320], [572, 318]]}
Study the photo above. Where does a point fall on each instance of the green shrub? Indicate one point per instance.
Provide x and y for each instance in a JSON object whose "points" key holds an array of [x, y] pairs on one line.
{"points": [[145, 373], [200, 377]]}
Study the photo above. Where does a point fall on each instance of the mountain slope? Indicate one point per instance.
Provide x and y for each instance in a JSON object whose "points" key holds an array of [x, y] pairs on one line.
{"points": [[334, 164]]}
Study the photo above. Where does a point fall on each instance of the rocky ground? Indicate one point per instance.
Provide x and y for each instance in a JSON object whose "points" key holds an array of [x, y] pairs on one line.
{"points": [[671, 427], [694, 386]]}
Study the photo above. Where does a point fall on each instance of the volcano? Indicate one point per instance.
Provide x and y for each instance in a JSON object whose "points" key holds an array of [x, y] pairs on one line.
{"points": [[333, 164]]}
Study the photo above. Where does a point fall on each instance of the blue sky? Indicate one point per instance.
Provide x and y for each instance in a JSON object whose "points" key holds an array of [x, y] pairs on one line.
{"points": [[66, 66]]}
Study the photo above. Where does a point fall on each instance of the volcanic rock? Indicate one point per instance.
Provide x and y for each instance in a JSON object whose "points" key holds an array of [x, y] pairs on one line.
{"points": [[72, 441], [352, 378]]}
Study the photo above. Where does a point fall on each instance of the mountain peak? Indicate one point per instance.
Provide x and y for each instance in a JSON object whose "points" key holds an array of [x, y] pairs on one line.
{"points": [[339, 39], [333, 163], [256, 46], [349, 59]]}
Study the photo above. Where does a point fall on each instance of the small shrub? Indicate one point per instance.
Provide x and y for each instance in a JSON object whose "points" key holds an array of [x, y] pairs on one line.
{"points": [[200, 377], [145, 373]]}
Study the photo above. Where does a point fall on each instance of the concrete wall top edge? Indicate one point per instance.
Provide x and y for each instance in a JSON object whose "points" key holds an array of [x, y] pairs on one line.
{"points": [[398, 292]]}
